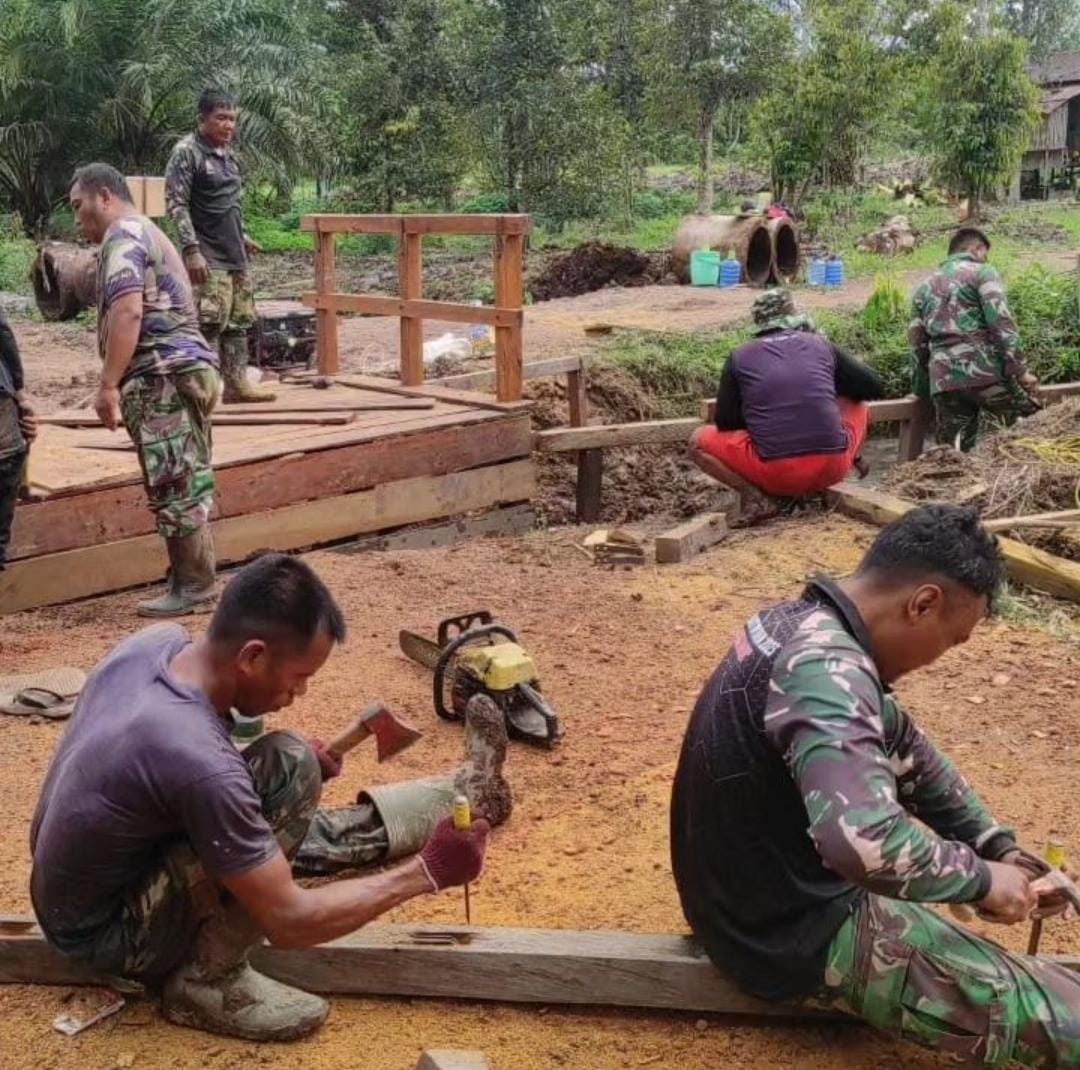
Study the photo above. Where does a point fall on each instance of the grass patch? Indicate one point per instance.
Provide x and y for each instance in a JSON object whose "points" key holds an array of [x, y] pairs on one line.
{"points": [[16, 257]]}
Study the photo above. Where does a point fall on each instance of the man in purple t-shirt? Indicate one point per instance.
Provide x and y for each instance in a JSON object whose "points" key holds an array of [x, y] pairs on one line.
{"points": [[790, 418], [162, 854], [158, 377]]}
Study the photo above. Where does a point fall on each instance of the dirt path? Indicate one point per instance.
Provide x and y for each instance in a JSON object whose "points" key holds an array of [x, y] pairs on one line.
{"points": [[590, 819], [62, 364]]}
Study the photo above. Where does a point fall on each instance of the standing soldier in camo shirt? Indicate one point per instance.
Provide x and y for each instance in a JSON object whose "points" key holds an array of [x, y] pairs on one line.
{"points": [[203, 193], [159, 378], [966, 346]]}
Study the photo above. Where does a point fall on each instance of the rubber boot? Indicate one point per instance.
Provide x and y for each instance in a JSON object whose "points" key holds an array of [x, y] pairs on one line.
{"points": [[410, 810], [234, 360], [218, 991], [191, 577]]}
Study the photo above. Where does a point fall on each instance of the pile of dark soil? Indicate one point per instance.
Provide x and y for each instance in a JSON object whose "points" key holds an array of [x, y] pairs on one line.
{"points": [[593, 266], [638, 482]]}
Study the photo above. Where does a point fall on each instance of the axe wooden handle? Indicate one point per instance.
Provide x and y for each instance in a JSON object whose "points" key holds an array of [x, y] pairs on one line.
{"points": [[356, 733]]}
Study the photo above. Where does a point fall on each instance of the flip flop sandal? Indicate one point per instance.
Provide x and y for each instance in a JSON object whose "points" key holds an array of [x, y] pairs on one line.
{"points": [[64, 680], [41, 702]]}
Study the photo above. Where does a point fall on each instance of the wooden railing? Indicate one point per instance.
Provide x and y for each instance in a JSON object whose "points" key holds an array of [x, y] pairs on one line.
{"points": [[506, 317]]}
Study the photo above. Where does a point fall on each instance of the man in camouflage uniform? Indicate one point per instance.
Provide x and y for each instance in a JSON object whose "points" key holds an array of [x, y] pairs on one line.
{"points": [[812, 819], [162, 855], [159, 378], [203, 195], [18, 428], [965, 345]]}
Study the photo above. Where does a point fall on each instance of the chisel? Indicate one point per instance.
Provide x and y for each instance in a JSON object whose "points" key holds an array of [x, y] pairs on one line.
{"points": [[463, 821]]}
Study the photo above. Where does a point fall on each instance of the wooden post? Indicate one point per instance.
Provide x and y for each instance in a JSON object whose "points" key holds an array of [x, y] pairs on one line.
{"points": [[590, 463], [412, 328], [326, 327], [508, 294], [913, 431]]}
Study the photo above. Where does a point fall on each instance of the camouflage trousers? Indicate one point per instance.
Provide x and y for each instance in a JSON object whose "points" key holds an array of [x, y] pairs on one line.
{"points": [[157, 920], [958, 413], [12, 458], [168, 419], [911, 972], [226, 303]]}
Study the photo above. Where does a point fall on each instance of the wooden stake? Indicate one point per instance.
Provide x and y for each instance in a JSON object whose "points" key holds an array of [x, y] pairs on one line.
{"points": [[326, 326], [689, 539], [410, 272], [509, 294]]}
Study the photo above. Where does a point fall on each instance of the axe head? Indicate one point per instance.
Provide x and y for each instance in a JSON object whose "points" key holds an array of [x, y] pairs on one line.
{"points": [[392, 735]]}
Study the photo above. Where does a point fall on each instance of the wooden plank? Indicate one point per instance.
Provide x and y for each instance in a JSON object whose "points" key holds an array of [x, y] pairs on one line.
{"points": [[440, 393], [485, 380], [452, 1059], [510, 520], [913, 430], [479, 223], [326, 325], [509, 294], [594, 967], [114, 513], [267, 418], [1064, 518], [411, 351], [450, 223], [62, 577], [643, 433], [1043, 571], [404, 405], [322, 223], [577, 397], [590, 485], [445, 311], [688, 540]]}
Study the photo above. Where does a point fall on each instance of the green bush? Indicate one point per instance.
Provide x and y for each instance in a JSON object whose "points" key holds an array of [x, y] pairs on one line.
{"points": [[1046, 307], [656, 203], [16, 256], [484, 203]]}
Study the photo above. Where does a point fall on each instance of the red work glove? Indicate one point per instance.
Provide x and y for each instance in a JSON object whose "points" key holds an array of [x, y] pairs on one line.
{"points": [[329, 766], [454, 856]]}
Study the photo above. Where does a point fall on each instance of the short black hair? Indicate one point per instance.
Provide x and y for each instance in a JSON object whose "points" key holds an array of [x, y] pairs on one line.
{"points": [[212, 98], [947, 541], [279, 599], [95, 177], [966, 237]]}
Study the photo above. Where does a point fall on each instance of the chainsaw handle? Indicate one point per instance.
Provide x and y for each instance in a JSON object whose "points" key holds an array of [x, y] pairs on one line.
{"points": [[451, 648], [453, 627]]}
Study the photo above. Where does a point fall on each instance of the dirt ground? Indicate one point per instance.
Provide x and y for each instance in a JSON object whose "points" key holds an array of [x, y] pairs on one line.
{"points": [[62, 364], [591, 818]]}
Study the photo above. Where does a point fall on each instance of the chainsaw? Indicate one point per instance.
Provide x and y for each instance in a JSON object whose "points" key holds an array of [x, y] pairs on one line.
{"points": [[474, 654]]}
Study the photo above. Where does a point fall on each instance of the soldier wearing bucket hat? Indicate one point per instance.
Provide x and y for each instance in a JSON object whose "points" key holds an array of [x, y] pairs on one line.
{"points": [[790, 413]]}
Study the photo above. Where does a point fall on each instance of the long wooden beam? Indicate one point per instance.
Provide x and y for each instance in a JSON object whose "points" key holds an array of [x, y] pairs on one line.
{"points": [[1043, 571], [485, 380], [90, 570], [480, 223], [447, 311], [601, 436]]}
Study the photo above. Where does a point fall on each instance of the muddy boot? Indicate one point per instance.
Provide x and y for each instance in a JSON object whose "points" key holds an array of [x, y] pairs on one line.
{"points": [[756, 507], [481, 777], [191, 577], [234, 362], [218, 991]]}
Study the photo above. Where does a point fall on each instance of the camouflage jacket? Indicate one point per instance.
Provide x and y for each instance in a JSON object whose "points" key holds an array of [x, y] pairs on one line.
{"points": [[962, 335], [136, 257], [802, 784], [203, 196]]}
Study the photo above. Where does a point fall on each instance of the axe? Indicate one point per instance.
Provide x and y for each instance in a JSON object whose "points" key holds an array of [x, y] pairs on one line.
{"points": [[392, 735]]}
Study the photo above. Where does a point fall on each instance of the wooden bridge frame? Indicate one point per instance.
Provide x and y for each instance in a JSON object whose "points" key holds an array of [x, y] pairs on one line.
{"points": [[506, 317]]}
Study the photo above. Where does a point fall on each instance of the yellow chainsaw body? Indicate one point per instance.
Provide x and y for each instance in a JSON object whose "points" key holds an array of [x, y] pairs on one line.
{"points": [[501, 666]]}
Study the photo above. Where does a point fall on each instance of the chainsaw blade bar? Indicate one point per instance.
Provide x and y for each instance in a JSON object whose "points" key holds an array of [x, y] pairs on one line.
{"points": [[419, 649]]}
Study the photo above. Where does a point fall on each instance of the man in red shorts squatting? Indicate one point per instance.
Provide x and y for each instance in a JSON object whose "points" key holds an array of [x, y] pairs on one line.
{"points": [[790, 414]]}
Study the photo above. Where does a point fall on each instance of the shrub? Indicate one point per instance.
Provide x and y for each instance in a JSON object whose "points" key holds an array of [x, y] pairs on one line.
{"points": [[1047, 311]]}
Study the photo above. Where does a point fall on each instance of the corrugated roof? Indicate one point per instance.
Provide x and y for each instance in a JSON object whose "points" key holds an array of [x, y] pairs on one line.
{"points": [[1052, 101], [1058, 68]]}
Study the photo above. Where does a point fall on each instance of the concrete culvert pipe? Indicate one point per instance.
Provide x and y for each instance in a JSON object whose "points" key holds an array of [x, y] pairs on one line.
{"points": [[746, 236], [65, 279], [785, 251]]}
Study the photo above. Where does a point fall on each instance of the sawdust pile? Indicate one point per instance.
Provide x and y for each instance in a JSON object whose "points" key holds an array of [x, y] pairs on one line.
{"points": [[1031, 467], [593, 266]]}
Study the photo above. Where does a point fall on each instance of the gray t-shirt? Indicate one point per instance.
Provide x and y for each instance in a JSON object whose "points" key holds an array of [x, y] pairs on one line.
{"points": [[145, 762]]}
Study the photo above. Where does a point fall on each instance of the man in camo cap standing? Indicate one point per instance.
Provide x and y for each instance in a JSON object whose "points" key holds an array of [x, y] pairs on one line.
{"points": [[790, 418], [966, 346], [203, 194]]}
